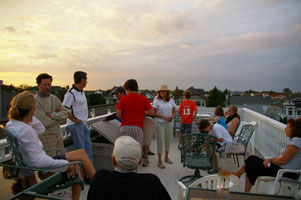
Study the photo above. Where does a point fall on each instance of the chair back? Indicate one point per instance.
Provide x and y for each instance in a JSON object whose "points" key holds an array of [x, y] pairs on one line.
{"points": [[245, 134], [198, 150], [215, 182], [12, 142]]}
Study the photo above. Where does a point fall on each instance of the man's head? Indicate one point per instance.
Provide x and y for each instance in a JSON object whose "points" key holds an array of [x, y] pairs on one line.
{"points": [[204, 126], [131, 85], [44, 84], [119, 92], [80, 79], [126, 153], [187, 94]]}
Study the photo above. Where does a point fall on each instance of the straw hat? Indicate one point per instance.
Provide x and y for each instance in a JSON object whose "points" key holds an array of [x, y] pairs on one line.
{"points": [[163, 88]]}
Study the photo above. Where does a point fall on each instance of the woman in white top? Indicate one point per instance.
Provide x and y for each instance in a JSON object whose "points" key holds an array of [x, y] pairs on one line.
{"points": [[165, 111], [26, 129]]}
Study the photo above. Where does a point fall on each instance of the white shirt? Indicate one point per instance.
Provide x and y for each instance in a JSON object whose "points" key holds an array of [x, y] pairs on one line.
{"points": [[31, 147], [164, 108], [76, 101], [220, 132]]}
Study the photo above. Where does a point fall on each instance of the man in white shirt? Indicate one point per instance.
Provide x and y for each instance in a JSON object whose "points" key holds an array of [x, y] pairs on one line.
{"points": [[76, 103], [224, 139]]}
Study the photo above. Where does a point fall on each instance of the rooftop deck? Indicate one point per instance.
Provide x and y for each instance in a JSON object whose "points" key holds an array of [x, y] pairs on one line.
{"points": [[268, 140]]}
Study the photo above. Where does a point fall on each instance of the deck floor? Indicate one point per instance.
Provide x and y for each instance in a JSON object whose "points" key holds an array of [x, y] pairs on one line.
{"points": [[168, 176]]}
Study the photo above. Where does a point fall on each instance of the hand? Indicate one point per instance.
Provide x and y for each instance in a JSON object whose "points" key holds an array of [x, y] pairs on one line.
{"points": [[59, 109], [78, 121], [169, 119], [48, 115], [71, 171], [104, 119], [267, 162]]}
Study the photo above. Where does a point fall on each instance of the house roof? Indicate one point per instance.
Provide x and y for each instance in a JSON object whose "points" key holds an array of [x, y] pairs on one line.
{"points": [[196, 91], [245, 100]]}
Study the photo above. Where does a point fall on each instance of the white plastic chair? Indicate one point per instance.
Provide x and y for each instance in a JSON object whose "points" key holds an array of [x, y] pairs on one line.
{"points": [[279, 184], [209, 182]]}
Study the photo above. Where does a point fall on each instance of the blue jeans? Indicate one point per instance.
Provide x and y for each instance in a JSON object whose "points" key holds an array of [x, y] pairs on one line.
{"points": [[81, 138]]}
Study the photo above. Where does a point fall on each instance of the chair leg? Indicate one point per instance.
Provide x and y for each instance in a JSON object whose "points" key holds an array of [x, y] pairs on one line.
{"points": [[234, 159], [237, 160]]}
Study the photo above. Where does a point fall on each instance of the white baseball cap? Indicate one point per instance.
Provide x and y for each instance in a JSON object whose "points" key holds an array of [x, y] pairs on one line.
{"points": [[127, 152]]}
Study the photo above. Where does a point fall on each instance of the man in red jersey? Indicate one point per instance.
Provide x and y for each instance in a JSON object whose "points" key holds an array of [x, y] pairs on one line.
{"points": [[187, 111]]}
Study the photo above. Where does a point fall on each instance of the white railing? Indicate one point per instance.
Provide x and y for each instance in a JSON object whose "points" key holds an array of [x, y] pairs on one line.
{"points": [[269, 134]]}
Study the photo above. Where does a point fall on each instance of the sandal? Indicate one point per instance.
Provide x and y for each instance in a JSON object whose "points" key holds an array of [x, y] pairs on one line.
{"points": [[168, 161], [151, 153], [161, 166]]}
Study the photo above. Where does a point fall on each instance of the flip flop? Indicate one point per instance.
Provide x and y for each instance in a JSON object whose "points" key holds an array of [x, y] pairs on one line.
{"points": [[168, 161], [161, 166]]}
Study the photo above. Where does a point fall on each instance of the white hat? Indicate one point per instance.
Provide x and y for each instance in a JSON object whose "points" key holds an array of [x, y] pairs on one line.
{"points": [[127, 152]]}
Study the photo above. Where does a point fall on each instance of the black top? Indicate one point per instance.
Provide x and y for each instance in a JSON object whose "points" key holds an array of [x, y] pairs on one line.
{"points": [[108, 184]]}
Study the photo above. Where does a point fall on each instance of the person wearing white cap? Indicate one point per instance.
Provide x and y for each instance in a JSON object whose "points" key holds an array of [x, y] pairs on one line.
{"points": [[124, 182]]}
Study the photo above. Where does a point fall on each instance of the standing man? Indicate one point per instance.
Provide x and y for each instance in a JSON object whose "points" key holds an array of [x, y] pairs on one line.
{"points": [[131, 109], [118, 92], [187, 112], [49, 110], [76, 102]]}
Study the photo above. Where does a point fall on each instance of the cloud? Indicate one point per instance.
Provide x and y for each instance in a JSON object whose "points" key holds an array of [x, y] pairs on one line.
{"points": [[9, 29]]}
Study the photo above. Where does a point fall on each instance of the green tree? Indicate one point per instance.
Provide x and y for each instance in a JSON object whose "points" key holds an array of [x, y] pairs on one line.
{"points": [[287, 91], [216, 97], [177, 92], [95, 99]]}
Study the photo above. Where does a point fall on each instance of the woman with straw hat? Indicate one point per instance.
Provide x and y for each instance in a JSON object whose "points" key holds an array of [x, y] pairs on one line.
{"points": [[165, 111], [26, 128]]}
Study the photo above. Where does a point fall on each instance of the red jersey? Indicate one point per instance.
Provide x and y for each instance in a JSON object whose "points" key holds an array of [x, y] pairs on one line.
{"points": [[133, 106], [186, 111]]}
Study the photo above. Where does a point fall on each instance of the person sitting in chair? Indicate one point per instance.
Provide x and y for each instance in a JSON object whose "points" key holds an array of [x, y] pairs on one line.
{"points": [[289, 158], [124, 182], [26, 128], [223, 138]]}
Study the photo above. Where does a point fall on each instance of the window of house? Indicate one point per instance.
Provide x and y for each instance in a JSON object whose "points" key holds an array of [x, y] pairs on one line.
{"points": [[198, 103], [203, 103], [290, 111], [299, 112]]}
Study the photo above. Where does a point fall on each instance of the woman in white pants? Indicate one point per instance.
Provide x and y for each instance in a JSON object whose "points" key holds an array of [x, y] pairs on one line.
{"points": [[165, 111]]}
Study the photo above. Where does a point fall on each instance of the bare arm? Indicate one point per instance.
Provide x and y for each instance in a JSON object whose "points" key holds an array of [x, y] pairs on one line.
{"points": [[216, 119], [118, 113], [151, 112], [289, 153], [159, 116]]}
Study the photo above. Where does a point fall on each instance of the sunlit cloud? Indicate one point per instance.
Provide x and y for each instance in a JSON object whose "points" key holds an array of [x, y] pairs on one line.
{"points": [[182, 43]]}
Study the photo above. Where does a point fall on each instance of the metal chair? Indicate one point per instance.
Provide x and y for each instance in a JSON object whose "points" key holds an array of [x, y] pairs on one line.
{"points": [[279, 184], [177, 124], [240, 144], [197, 152], [212, 182], [55, 182]]}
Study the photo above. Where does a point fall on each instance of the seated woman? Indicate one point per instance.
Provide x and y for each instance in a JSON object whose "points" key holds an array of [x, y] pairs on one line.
{"points": [[26, 128], [289, 158], [219, 113], [233, 120]]}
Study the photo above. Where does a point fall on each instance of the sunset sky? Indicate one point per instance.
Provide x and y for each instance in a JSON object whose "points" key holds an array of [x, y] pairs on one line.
{"points": [[234, 44]]}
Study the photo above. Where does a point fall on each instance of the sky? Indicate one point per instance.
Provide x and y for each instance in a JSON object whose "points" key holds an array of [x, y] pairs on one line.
{"points": [[233, 44]]}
